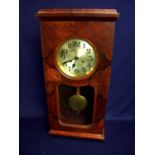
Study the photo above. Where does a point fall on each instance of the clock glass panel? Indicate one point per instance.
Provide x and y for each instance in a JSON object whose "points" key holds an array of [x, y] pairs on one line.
{"points": [[76, 58]]}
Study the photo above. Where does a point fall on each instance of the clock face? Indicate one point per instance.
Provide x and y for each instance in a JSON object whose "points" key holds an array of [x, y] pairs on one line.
{"points": [[76, 59]]}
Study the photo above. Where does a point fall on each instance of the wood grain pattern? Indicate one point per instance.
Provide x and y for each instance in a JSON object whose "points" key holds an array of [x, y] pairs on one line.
{"points": [[96, 25], [102, 13]]}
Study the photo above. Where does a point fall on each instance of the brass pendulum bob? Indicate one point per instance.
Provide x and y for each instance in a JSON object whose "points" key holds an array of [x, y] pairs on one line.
{"points": [[77, 102]]}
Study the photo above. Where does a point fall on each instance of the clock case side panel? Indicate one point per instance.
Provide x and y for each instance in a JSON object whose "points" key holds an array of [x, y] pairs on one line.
{"points": [[52, 78], [101, 79], [101, 88]]}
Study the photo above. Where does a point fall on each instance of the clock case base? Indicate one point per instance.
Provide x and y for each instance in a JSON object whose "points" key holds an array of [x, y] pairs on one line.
{"points": [[76, 134], [94, 131]]}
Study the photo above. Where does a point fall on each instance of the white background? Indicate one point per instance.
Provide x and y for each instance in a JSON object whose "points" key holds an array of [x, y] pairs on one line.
{"points": [[9, 77], [145, 77]]}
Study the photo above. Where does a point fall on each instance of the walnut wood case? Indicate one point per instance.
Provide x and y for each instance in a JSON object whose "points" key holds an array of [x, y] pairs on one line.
{"points": [[97, 26]]}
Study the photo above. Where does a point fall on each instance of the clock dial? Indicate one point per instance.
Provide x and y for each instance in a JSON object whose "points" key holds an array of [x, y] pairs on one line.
{"points": [[76, 58]]}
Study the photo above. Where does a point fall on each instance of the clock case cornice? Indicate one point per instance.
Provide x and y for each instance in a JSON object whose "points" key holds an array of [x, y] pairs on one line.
{"points": [[76, 14]]}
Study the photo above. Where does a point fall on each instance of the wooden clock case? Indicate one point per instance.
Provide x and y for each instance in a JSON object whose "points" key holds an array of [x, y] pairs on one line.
{"points": [[97, 26]]}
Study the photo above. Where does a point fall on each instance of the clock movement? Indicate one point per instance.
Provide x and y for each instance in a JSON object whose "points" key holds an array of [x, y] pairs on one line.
{"points": [[77, 53]]}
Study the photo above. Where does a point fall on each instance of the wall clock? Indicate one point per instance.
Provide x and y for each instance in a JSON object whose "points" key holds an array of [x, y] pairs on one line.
{"points": [[77, 53]]}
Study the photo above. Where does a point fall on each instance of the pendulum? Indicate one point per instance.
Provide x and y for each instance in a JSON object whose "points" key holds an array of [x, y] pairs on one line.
{"points": [[78, 102]]}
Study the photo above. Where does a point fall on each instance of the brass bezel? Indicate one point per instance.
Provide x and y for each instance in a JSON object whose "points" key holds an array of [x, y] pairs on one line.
{"points": [[92, 70]]}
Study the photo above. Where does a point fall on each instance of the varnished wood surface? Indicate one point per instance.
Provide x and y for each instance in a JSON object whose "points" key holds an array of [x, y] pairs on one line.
{"points": [[78, 12], [76, 134], [98, 13], [101, 34]]}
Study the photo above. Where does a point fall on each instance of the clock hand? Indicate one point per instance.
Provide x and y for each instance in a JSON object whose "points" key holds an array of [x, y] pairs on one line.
{"points": [[73, 65], [67, 61], [75, 58]]}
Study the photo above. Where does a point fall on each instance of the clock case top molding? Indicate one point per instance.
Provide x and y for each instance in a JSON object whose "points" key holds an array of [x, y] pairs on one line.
{"points": [[97, 26]]}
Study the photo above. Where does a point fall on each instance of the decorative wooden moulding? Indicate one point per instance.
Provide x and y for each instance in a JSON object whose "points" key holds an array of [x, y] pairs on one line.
{"points": [[97, 27]]}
